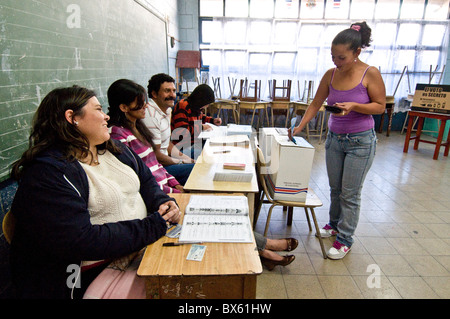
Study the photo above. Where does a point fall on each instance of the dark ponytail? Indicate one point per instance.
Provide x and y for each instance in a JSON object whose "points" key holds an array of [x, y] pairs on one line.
{"points": [[359, 35]]}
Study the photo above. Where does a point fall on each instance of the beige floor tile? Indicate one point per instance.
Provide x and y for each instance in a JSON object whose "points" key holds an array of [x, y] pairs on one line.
{"points": [[440, 230], [390, 230], [394, 265], [270, 286], [413, 288], [340, 287], [300, 266], [440, 285], [408, 246], [303, 287], [378, 246], [435, 246], [376, 287], [426, 266], [328, 266], [358, 264], [444, 261], [418, 230]]}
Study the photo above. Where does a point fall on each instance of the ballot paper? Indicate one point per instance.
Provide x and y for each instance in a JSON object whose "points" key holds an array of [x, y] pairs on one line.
{"points": [[210, 218]]}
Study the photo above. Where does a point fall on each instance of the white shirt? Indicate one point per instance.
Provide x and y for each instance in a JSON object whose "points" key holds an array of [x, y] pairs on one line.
{"points": [[113, 191], [158, 123]]}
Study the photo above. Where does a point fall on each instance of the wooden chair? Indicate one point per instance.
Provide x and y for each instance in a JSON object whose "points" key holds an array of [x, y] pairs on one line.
{"points": [[223, 104], [312, 201], [281, 102], [252, 103]]}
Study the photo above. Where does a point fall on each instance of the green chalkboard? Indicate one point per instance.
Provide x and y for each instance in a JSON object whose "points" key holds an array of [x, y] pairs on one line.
{"points": [[54, 43]]}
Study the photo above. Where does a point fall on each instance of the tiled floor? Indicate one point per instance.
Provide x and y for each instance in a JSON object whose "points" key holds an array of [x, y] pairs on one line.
{"points": [[402, 243]]}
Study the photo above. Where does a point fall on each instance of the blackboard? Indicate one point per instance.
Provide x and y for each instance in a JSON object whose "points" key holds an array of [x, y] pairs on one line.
{"points": [[46, 44]]}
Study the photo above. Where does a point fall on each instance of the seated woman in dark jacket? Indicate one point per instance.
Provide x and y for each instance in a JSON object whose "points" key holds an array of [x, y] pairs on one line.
{"points": [[83, 200]]}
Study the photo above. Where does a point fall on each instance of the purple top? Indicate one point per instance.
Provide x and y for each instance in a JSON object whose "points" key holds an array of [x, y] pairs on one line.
{"points": [[353, 122]]}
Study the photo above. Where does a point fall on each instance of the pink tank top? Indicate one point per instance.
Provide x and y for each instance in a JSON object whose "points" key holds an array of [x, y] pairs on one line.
{"points": [[353, 122]]}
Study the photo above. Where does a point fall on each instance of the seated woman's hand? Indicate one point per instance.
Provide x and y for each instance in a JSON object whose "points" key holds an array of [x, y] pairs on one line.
{"points": [[170, 212]]}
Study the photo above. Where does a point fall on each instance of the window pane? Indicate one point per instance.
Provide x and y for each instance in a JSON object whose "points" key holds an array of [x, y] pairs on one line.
{"points": [[412, 9], [308, 60], [408, 34], [211, 8], [286, 9], [259, 63], [404, 57], [430, 58], [311, 9], [235, 32], [437, 10], [283, 62], [236, 8], [285, 33], [387, 9], [337, 9], [310, 35], [381, 59], [210, 57], [384, 34], [261, 8], [332, 31], [212, 32], [235, 60], [260, 32], [362, 9], [432, 35]]}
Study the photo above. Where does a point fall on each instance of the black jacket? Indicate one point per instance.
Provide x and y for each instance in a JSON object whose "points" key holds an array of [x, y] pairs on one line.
{"points": [[53, 229]]}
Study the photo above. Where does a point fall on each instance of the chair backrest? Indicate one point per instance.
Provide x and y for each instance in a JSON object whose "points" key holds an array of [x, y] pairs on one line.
{"points": [[285, 89], [261, 165], [232, 84], [217, 90], [8, 225], [245, 88]]}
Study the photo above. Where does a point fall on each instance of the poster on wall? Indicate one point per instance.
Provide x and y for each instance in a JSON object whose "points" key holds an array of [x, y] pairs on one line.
{"points": [[432, 98]]}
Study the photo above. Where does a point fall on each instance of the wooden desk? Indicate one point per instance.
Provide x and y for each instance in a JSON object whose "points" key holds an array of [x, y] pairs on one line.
{"points": [[421, 116], [390, 113], [227, 271], [202, 175], [283, 106]]}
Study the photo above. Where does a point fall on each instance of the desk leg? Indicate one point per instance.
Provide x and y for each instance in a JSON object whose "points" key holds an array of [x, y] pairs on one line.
{"points": [[447, 147], [390, 115], [408, 134], [419, 132], [439, 140]]}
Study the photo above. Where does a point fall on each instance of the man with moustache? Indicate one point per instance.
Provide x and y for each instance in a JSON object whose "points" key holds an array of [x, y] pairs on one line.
{"points": [[162, 94]]}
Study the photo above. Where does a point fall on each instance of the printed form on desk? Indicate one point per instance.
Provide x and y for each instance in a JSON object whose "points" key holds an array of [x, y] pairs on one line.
{"points": [[210, 218]]}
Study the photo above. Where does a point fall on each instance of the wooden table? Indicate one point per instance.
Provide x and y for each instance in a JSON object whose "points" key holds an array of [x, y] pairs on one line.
{"points": [[227, 271], [202, 175], [422, 116]]}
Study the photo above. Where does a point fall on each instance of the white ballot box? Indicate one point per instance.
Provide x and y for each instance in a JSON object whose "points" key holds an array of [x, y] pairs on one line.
{"points": [[289, 168]]}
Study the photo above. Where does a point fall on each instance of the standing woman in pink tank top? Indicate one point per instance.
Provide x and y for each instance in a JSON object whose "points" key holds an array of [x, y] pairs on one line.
{"points": [[358, 90]]}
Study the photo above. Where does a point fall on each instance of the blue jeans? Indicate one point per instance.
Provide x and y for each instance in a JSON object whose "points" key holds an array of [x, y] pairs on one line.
{"points": [[348, 159], [181, 172]]}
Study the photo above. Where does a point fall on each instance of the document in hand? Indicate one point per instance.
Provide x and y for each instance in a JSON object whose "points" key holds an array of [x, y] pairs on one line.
{"points": [[210, 218]]}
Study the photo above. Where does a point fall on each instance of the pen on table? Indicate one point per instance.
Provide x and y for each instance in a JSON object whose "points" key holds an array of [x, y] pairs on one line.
{"points": [[222, 152], [180, 244]]}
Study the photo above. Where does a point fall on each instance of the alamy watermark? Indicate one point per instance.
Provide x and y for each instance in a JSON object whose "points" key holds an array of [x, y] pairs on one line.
{"points": [[73, 21], [374, 279]]}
